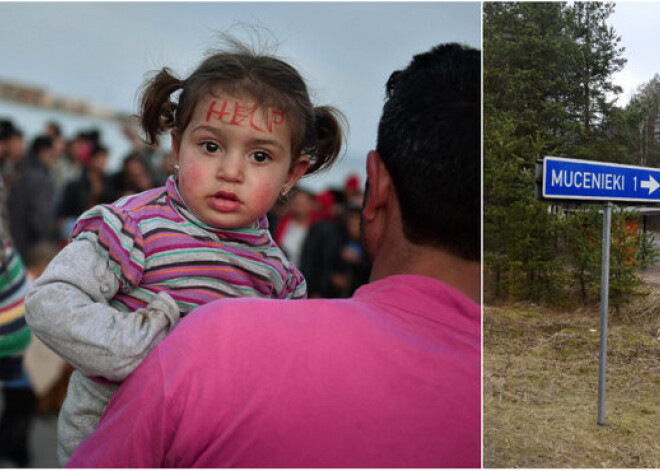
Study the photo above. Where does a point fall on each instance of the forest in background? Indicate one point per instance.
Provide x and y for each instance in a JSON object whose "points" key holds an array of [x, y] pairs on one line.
{"points": [[549, 90]]}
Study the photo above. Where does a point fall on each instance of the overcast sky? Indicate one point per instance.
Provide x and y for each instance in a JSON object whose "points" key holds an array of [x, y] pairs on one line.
{"points": [[101, 52], [637, 24]]}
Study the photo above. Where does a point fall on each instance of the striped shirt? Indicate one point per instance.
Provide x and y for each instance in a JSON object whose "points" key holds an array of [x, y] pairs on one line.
{"points": [[154, 243], [14, 331]]}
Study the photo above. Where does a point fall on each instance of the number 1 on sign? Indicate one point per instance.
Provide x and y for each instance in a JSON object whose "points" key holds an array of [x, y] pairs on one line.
{"points": [[635, 179]]}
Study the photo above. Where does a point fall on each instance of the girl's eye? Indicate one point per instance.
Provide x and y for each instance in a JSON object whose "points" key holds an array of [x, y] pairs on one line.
{"points": [[260, 157], [210, 147]]}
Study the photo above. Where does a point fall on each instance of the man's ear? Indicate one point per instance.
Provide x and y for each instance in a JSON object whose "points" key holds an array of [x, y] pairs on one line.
{"points": [[296, 171], [380, 185]]}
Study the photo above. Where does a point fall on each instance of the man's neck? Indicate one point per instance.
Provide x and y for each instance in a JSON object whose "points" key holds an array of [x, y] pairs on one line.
{"points": [[411, 259]]}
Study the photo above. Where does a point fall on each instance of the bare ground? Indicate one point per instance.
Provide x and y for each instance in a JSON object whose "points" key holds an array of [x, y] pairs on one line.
{"points": [[541, 382]]}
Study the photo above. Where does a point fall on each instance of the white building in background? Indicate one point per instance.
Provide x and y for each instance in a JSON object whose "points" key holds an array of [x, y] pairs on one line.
{"points": [[30, 95]]}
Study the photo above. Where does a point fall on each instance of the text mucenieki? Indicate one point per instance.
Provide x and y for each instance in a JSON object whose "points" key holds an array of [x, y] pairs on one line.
{"points": [[588, 180]]}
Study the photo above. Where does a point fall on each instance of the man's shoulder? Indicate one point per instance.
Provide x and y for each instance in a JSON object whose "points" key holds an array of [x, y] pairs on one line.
{"points": [[418, 291], [265, 310], [250, 320], [224, 333], [399, 293], [375, 311]]}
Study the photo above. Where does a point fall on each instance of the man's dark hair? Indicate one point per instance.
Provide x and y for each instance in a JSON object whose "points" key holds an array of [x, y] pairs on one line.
{"points": [[429, 138]]}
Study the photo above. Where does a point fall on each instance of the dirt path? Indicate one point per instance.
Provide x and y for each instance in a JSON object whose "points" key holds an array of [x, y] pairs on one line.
{"points": [[651, 275]]}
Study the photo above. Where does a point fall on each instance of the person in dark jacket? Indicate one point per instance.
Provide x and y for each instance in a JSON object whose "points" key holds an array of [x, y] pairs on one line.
{"points": [[31, 202], [84, 192], [352, 268], [322, 246]]}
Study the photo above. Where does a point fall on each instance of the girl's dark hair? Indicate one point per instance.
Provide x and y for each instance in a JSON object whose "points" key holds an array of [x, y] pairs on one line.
{"points": [[316, 131]]}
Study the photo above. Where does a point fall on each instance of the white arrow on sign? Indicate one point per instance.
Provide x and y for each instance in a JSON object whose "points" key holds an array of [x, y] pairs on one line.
{"points": [[651, 184]]}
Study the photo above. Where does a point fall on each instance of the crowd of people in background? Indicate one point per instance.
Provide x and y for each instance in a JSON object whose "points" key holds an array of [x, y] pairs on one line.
{"points": [[320, 233], [52, 179]]}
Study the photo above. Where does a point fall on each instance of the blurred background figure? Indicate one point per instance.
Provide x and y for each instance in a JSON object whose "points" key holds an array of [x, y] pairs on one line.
{"points": [[353, 193], [321, 234], [152, 157], [54, 131], [12, 152], [27, 378], [69, 167], [292, 228], [86, 190], [31, 201], [133, 177], [353, 267], [17, 397], [322, 245]]}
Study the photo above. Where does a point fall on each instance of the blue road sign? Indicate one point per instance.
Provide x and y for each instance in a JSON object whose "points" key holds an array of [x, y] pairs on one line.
{"points": [[573, 179]]}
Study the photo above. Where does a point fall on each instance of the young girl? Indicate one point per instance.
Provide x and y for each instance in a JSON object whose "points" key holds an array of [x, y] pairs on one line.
{"points": [[243, 132]]}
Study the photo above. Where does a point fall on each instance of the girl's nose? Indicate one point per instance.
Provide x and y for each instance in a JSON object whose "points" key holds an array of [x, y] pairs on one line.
{"points": [[230, 167]]}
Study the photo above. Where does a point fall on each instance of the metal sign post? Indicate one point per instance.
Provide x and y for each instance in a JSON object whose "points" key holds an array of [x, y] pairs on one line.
{"points": [[604, 304], [564, 179]]}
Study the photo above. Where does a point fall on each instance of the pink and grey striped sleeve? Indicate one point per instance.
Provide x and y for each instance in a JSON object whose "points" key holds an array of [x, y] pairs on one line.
{"points": [[117, 238]]}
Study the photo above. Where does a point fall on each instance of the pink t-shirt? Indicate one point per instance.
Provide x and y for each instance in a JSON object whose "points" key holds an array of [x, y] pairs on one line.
{"points": [[389, 378]]}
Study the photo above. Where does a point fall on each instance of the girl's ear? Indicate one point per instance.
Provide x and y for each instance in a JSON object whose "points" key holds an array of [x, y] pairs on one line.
{"points": [[296, 171], [175, 153], [175, 145]]}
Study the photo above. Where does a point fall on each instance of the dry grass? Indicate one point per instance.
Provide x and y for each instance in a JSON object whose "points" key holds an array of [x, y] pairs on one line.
{"points": [[541, 387]]}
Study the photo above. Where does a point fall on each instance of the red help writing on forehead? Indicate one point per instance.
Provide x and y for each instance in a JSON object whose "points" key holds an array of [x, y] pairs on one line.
{"points": [[241, 115]]}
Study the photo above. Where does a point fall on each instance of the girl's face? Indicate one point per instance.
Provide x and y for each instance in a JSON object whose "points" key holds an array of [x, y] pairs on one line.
{"points": [[234, 161]]}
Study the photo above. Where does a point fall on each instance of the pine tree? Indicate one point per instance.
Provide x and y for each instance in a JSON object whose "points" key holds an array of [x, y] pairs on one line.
{"points": [[600, 56], [548, 91], [637, 125]]}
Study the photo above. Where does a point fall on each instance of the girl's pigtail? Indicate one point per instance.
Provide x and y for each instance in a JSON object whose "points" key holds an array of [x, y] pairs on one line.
{"points": [[157, 109], [329, 125]]}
